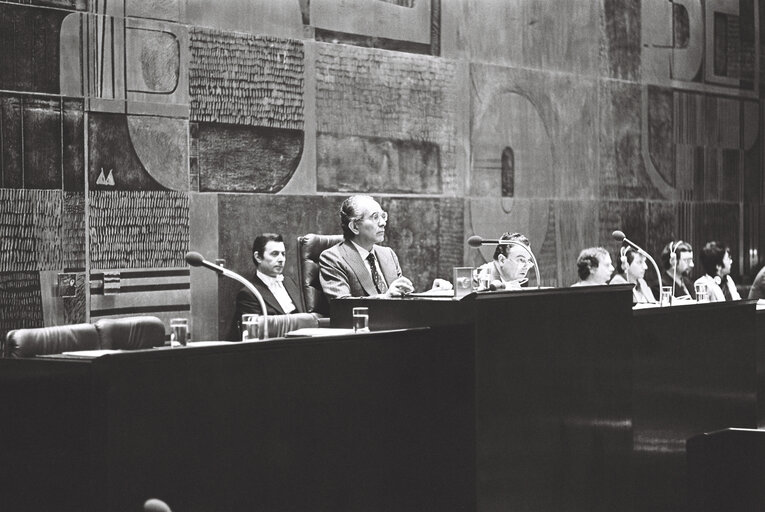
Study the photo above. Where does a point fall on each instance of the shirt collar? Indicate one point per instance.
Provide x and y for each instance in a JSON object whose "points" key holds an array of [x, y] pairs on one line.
{"points": [[362, 252], [268, 280]]}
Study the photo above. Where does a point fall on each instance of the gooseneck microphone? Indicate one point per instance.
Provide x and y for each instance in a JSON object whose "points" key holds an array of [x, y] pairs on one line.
{"points": [[620, 237], [197, 260], [477, 241]]}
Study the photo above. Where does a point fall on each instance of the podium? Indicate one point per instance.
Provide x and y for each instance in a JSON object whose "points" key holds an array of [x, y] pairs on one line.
{"points": [[583, 403], [553, 390]]}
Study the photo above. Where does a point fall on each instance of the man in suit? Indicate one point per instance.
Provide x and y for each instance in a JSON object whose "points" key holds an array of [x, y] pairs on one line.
{"points": [[280, 293], [510, 265], [358, 266]]}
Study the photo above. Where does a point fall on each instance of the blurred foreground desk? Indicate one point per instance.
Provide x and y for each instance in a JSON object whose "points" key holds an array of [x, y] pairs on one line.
{"points": [[383, 421], [583, 404], [552, 391]]}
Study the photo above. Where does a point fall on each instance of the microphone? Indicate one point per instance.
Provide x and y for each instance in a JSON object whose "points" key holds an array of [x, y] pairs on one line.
{"points": [[477, 241], [195, 259], [620, 237]]}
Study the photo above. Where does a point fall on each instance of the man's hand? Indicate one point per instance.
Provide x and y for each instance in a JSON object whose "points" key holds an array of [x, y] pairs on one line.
{"points": [[399, 287], [441, 284]]}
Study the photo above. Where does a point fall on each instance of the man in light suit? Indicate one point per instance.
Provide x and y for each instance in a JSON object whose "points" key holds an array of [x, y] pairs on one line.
{"points": [[510, 265], [358, 267], [280, 293]]}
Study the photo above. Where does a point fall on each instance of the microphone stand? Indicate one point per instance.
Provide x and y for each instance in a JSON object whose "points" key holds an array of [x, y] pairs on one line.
{"points": [[528, 251], [196, 260], [247, 284]]}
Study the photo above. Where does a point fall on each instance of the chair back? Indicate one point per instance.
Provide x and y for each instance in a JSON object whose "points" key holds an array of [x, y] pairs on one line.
{"points": [[131, 333], [279, 325], [50, 340], [310, 247]]}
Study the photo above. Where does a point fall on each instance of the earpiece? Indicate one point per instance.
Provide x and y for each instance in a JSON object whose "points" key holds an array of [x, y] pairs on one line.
{"points": [[623, 257]]}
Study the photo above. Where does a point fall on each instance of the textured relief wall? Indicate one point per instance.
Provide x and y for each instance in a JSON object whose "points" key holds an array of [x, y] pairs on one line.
{"points": [[167, 125], [386, 122]]}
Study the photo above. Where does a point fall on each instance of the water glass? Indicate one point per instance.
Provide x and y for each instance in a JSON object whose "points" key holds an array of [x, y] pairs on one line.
{"points": [[702, 293], [665, 298], [463, 281], [361, 319], [250, 327], [179, 332]]}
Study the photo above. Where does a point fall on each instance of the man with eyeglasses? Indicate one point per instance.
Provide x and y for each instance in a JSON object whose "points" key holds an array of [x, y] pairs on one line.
{"points": [[358, 266], [510, 265], [674, 253]]}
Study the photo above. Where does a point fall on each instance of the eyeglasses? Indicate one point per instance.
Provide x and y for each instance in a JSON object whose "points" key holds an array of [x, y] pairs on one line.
{"points": [[377, 216], [520, 260]]}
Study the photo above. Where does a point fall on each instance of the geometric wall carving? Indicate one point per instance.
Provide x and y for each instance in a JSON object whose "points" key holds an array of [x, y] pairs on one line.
{"points": [[20, 301], [30, 230], [144, 229], [246, 80], [235, 158], [344, 165], [363, 92]]}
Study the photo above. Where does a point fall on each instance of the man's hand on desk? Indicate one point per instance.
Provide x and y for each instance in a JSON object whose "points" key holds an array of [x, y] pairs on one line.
{"points": [[441, 284], [400, 287]]}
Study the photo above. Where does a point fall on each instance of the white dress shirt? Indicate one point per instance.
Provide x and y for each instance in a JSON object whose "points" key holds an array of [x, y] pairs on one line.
{"points": [[277, 288]]}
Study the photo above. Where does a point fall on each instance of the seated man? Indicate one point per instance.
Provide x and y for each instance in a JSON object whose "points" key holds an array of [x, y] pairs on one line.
{"points": [[510, 265], [677, 264], [358, 267], [280, 293]]}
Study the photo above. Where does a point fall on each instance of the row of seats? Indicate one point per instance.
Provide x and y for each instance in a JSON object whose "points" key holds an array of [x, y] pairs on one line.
{"points": [[140, 332], [129, 333]]}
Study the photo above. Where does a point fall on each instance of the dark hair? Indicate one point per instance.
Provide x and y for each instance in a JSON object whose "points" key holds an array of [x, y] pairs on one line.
{"points": [[679, 247], [349, 211], [712, 255], [259, 244], [504, 249], [588, 260]]}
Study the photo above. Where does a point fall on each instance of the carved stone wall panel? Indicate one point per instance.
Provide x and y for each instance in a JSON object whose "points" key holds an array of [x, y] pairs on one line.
{"points": [[30, 230], [144, 229], [389, 96], [20, 301], [245, 79]]}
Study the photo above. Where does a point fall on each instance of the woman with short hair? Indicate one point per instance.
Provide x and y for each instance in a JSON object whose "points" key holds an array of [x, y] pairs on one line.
{"points": [[716, 261]]}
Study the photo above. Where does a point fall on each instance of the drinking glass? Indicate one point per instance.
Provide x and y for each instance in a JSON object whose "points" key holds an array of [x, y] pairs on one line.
{"points": [[361, 319], [463, 281], [179, 332], [250, 327], [702, 293], [665, 298]]}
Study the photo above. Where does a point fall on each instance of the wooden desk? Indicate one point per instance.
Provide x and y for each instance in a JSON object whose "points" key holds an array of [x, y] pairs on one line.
{"points": [[553, 391], [583, 404], [377, 422]]}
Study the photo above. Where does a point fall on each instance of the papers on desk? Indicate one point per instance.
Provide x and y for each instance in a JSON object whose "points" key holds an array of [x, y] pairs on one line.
{"points": [[760, 304], [90, 354], [318, 331], [207, 343], [433, 293]]}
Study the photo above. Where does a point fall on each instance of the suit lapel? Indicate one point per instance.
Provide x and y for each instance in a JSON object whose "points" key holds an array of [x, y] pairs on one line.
{"points": [[293, 292], [268, 297], [353, 258], [387, 265]]}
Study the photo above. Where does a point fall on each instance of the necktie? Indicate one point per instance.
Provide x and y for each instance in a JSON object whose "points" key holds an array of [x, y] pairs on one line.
{"points": [[725, 289], [376, 277]]}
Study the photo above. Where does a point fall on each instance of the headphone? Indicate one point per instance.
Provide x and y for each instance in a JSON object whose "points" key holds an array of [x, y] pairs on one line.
{"points": [[673, 245], [623, 257]]}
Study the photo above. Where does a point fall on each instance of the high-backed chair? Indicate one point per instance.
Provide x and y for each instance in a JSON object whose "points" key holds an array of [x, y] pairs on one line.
{"points": [[131, 333], [50, 340], [310, 246], [279, 325]]}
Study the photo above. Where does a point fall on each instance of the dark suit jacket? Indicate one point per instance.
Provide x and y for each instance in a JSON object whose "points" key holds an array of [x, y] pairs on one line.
{"points": [[666, 278], [246, 302], [344, 274]]}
